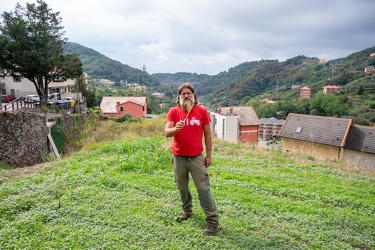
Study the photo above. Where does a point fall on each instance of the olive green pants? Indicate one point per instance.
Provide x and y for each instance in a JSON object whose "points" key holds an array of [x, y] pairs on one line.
{"points": [[183, 165]]}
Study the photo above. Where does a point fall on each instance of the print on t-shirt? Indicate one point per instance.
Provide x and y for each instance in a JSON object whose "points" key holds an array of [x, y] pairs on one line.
{"points": [[193, 121]]}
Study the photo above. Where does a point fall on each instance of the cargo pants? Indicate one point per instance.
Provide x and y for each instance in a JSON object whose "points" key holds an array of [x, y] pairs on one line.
{"points": [[195, 165]]}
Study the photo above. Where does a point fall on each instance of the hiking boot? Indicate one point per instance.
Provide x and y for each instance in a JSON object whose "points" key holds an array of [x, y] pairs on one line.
{"points": [[184, 216], [211, 230]]}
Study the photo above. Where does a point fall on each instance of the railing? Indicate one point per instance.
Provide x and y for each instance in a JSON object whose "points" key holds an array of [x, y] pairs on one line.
{"points": [[17, 104]]}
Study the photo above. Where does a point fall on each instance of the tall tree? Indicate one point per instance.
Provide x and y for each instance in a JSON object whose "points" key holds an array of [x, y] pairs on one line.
{"points": [[32, 46]]}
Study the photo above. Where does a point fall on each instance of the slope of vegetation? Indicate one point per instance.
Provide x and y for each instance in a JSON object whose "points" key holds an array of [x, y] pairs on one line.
{"points": [[98, 66], [249, 82]]}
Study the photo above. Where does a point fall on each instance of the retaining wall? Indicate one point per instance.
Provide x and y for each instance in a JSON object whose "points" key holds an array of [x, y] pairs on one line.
{"points": [[23, 138]]}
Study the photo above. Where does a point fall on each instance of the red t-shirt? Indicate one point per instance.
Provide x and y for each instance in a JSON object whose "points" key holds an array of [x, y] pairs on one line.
{"points": [[188, 141]]}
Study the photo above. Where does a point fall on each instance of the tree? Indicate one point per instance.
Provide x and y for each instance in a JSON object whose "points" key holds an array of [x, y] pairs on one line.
{"points": [[266, 110], [32, 46], [360, 90]]}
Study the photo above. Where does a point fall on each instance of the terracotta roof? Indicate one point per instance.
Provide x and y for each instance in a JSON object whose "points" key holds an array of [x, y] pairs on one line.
{"points": [[318, 129], [361, 138], [331, 87], [246, 114], [108, 104]]}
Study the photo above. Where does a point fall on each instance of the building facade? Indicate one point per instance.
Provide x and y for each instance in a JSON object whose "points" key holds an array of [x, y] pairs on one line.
{"points": [[305, 93], [118, 106], [269, 127], [236, 124], [329, 89]]}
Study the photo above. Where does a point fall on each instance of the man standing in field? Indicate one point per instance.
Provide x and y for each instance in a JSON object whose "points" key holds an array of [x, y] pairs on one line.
{"points": [[187, 123]]}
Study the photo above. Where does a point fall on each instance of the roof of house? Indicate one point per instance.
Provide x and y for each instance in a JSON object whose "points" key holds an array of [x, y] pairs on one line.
{"points": [[109, 103], [331, 87], [318, 129], [69, 82], [272, 120], [246, 114], [361, 138]]}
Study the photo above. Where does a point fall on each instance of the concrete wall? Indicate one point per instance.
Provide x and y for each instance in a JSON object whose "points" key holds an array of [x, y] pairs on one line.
{"points": [[23, 138], [226, 128], [131, 108], [360, 159], [319, 151]]}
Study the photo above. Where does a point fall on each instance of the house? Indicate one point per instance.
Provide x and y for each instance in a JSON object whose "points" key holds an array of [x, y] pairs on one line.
{"points": [[121, 105], [157, 95], [305, 92], [18, 86], [369, 69], [329, 138], [329, 89], [266, 100], [270, 127], [137, 87], [106, 82], [359, 149], [236, 124]]}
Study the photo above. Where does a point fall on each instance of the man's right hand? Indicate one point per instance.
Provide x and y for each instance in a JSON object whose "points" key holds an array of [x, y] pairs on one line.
{"points": [[179, 125]]}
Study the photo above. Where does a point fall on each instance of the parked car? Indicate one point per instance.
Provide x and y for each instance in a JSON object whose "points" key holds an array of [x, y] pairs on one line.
{"points": [[53, 98], [32, 98], [8, 98]]}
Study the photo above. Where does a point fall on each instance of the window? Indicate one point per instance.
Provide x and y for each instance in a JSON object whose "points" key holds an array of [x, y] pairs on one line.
{"points": [[16, 78], [122, 109], [299, 129]]}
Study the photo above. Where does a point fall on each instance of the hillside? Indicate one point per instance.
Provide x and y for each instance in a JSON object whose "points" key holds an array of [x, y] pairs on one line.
{"points": [[274, 79], [99, 66], [180, 77], [249, 82]]}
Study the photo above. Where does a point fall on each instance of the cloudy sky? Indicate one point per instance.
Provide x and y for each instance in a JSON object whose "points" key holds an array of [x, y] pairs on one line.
{"points": [[211, 36]]}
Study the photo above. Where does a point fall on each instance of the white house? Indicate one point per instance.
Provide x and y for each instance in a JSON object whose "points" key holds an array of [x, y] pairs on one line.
{"points": [[22, 87], [226, 127], [236, 124]]}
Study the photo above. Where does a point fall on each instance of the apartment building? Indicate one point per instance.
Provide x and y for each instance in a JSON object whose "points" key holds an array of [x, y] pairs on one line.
{"points": [[269, 127]]}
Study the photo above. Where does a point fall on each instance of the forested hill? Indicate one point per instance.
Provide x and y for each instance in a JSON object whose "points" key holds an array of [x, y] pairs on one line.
{"points": [[250, 82], [274, 79], [99, 66], [181, 77]]}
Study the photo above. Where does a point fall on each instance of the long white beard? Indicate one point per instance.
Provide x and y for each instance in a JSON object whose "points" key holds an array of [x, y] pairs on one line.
{"points": [[184, 101]]}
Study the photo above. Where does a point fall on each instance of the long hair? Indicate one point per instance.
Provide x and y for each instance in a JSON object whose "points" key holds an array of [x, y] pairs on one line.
{"points": [[186, 86]]}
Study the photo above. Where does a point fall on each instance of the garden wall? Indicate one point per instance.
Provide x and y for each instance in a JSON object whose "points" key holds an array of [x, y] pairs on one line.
{"points": [[23, 138]]}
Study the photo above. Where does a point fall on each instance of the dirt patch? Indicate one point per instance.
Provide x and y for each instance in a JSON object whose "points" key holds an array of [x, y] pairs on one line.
{"points": [[24, 171]]}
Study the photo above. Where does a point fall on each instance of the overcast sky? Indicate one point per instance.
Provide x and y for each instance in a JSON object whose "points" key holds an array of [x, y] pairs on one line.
{"points": [[211, 36]]}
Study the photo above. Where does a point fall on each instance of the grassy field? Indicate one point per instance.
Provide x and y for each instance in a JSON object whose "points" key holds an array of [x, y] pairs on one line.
{"points": [[118, 192]]}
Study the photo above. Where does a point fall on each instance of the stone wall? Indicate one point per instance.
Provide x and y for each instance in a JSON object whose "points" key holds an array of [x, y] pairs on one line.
{"points": [[23, 138]]}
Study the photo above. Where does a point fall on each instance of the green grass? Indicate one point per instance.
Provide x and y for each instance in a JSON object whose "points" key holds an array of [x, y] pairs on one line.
{"points": [[120, 194]]}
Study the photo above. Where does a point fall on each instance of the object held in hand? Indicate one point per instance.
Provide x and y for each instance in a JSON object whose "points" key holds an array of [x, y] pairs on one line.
{"points": [[189, 107]]}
